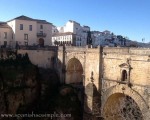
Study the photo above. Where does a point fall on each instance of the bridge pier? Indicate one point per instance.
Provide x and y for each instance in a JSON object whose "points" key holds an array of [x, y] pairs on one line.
{"points": [[92, 103]]}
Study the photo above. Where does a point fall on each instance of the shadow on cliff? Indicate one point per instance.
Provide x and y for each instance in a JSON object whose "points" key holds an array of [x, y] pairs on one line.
{"points": [[19, 82], [68, 102], [92, 103]]}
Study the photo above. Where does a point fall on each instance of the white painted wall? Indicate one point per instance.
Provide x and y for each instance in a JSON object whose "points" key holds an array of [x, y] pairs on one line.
{"points": [[78, 30], [62, 38], [60, 29], [9, 36], [99, 38], [69, 27], [32, 35], [19, 35], [72, 26]]}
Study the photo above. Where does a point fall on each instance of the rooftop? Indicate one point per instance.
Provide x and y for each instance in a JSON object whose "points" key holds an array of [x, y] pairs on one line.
{"points": [[4, 25], [22, 17], [63, 34], [74, 22], [86, 26]]}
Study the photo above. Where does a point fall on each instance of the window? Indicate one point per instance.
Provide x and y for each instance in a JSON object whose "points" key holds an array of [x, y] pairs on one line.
{"points": [[25, 36], [41, 26], [124, 75], [30, 27], [5, 35], [21, 26]]}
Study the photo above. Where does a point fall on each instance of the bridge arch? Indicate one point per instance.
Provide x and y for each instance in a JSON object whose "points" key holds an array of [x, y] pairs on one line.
{"points": [[80, 57], [74, 72], [120, 91]]}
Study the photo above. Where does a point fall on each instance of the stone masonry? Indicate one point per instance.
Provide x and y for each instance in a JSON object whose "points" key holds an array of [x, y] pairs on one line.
{"points": [[108, 74]]}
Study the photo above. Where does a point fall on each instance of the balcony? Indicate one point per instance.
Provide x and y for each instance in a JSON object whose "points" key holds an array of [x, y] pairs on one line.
{"points": [[41, 34]]}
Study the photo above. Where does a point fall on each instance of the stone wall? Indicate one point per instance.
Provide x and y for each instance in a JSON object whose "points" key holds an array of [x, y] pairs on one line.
{"points": [[41, 58], [136, 62], [106, 71]]}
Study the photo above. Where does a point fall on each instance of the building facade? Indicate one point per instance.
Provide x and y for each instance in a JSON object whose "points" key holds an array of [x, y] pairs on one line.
{"points": [[24, 31], [6, 35], [59, 39], [105, 38], [80, 33]]}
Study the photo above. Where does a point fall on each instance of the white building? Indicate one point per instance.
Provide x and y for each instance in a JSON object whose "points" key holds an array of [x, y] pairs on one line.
{"points": [[24, 31], [54, 29], [67, 38], [79, 32], [6, 35], [105, 38]]}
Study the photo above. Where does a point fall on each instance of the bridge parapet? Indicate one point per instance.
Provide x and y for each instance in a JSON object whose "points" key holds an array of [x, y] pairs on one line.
{"points": [[140, 51], [78, 49], [115, 50], [70, 48], [125, 50]]}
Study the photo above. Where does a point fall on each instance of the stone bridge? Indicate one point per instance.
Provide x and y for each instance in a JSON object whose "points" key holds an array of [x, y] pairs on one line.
{"points": [[116, 80]]}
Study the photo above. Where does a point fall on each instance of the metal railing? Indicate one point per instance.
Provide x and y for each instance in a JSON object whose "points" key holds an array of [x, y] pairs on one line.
{"points": [[41, 34]]}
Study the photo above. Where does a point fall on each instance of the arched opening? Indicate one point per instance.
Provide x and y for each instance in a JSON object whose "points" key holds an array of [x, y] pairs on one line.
{"points": [[41, 42], [124, 75], [121, 107], [74, 73], [74, 77]]}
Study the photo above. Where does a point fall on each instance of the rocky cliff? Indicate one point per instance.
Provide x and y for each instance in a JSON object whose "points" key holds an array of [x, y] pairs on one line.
{"points": [[19, 82], [25, 88]]}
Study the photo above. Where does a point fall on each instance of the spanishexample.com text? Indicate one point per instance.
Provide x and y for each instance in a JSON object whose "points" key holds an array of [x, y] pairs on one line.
{"points": [[34, 115]]}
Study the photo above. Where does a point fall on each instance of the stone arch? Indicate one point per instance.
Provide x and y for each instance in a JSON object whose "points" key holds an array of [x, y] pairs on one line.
{"points": [[74, 72], [124, 75], [124, 89], [120, 107], [77, 56]]}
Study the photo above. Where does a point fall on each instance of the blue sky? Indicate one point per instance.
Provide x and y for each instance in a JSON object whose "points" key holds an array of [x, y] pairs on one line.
{"points": [[129, 18]]}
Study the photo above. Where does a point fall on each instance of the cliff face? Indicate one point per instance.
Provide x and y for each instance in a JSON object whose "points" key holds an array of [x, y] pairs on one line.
{"points": [[24, 88], [19, 82]]}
